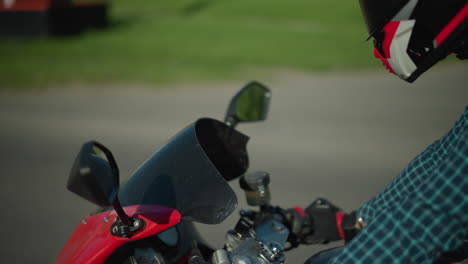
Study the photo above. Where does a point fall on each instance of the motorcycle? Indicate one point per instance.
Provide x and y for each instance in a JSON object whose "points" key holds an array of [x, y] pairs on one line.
{"points": [[150, 218]]}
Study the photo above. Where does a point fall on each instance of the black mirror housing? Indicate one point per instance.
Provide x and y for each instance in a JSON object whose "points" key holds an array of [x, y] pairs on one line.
{"points": [[95, 175], [250, 104]]}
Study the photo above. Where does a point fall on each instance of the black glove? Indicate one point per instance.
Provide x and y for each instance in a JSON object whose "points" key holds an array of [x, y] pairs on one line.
{"points": [[329, 223]]}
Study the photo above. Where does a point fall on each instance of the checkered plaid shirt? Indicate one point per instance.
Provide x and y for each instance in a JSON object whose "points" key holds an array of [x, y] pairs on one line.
{"points": [[423, 212]]}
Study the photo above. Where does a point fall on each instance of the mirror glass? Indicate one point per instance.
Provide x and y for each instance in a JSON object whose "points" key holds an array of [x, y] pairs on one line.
{"points": [[250, 104], [95, 175]]}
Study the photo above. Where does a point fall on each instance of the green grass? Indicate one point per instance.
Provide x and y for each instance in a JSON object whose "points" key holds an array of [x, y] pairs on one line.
{"points": [[174, 41]]}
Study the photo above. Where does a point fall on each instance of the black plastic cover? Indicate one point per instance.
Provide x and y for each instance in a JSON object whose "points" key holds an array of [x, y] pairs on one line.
{"points": [[94, 178], [188, 173]]}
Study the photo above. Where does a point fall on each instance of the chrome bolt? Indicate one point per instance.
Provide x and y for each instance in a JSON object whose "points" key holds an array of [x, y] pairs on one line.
{"points": [[276, 248]]}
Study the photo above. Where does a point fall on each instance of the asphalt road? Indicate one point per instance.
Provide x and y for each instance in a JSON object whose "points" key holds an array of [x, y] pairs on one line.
{"points": [[343, 136]]}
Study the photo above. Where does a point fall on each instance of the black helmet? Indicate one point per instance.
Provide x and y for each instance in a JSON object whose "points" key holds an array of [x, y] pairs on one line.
{"points": [[412, 35]]}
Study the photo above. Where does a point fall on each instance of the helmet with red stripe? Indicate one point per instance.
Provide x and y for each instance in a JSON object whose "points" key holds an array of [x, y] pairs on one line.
{"points": [[410, 36]]}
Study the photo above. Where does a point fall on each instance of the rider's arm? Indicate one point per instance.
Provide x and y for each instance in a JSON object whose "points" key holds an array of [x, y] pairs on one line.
{"points": [[413, 233], [402, 185], [430, 218], [415, 175]]}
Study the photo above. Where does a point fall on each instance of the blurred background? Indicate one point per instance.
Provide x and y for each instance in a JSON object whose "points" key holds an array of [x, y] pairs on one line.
{"points": [[132, 74], [176, 41]]}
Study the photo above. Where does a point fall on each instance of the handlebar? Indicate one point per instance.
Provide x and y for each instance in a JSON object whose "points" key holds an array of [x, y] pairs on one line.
{"points": [[259, 237]]}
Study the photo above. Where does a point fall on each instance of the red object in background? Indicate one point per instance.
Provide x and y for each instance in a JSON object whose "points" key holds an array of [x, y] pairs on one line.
{"points": [[26, 5], [50, 17], [92, 241]]}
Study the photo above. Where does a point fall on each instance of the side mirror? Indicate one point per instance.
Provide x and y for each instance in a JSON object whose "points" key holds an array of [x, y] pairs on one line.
{"points": [[95, 175], [250, 104]]}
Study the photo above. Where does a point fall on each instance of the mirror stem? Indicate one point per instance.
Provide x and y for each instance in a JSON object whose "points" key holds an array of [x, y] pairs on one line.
{"points": [[230, 121], [121, 213]]}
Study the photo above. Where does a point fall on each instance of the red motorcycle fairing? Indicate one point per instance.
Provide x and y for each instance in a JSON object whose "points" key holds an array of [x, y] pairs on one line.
{"points": [[92, 241]]}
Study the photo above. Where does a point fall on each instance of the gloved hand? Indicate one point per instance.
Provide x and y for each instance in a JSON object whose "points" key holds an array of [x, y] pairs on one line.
{"points": [[329, 223]]}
